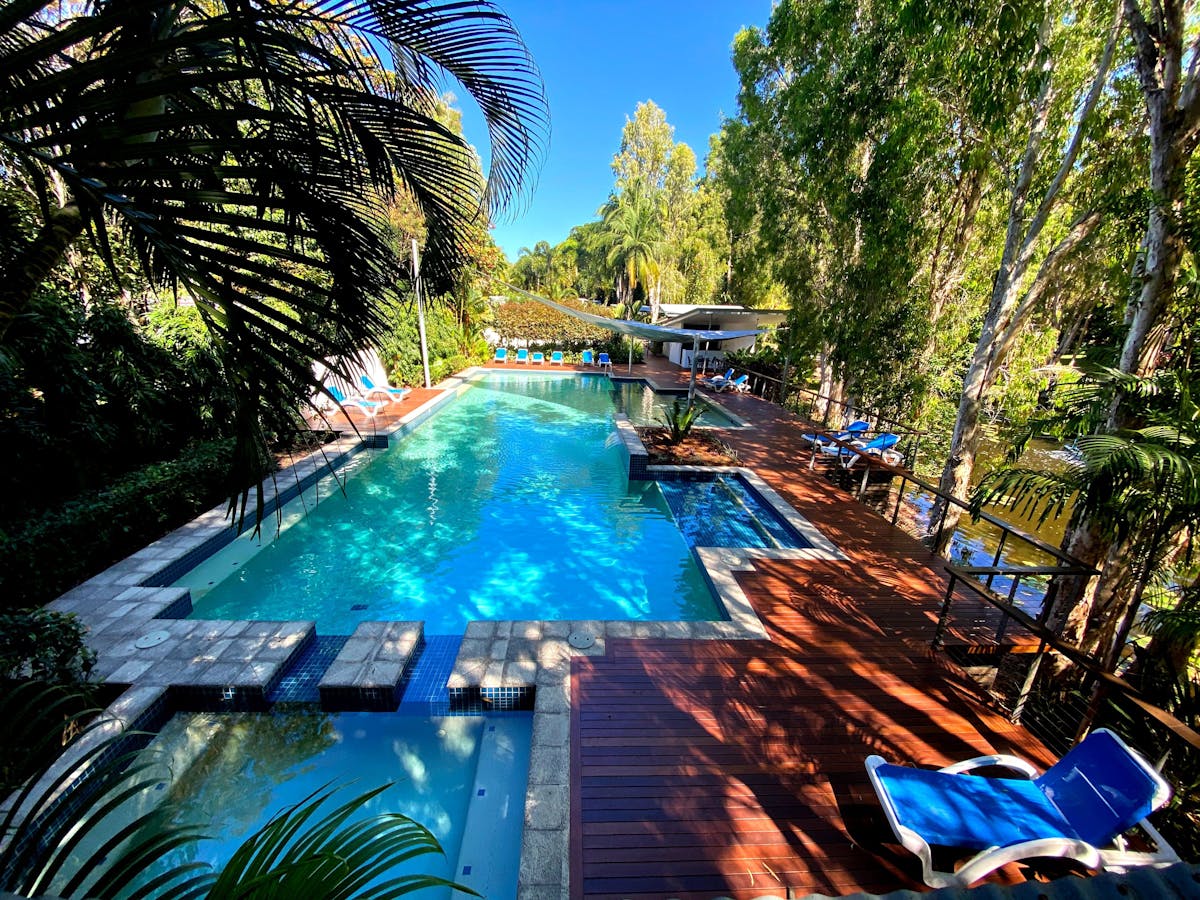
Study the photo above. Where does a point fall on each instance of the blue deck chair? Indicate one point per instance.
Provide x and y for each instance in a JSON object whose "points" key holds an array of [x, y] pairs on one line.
{"points": [[393, 393], [717, 379], [522, 355], [556, 358], [739, 385], [538, 358], [877, 446], [587, 359], [604, 362], [501, 354], [849, 433], [368, 407], [1077, 809]]}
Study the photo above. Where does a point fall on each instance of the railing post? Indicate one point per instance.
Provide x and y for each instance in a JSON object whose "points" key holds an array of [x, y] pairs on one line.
{"points": [[999, 551], [1012, 592], [939, 635], [899, 499], [1027, 685]]}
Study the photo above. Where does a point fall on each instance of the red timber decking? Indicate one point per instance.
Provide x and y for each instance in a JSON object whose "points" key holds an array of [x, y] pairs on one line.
{"points": [[703, 769]]}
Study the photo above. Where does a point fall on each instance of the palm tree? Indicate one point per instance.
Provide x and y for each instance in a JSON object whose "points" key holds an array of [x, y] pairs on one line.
{"points": [[247, 152], [634, 236]]}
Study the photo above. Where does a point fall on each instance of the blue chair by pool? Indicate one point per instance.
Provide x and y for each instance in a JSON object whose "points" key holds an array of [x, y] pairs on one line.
{"points": [[392, 393], [369, 407], [538, 358], [501, 354], [604, 362], [1078, 809], [556, 358], [587, 359], [716, 380], [849, 433], [522, 355], [880, 446], [739, 385]]}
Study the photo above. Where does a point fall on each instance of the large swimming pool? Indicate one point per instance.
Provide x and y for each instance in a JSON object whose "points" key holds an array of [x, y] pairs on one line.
{"points": [[512, 502]]}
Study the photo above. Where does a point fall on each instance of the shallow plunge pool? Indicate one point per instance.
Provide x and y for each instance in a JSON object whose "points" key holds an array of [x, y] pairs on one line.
{"points": [[462, 777]]}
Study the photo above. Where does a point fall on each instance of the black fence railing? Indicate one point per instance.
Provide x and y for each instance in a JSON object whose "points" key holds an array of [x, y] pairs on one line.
{"points": [[1059, 693]]}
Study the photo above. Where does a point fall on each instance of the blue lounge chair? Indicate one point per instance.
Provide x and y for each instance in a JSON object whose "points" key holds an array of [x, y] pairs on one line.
{"points": [[392, 393], [522, 355], [586, 358], [718, 379], [538, 358], [1084, 802], [604, 362], [880, 445], [369, 407], [849, 433], [556, 358], [739, 385], [501, 354]]}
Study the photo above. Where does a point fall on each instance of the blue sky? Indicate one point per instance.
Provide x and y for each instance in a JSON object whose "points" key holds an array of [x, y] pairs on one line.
{"points": [[599, 60]]}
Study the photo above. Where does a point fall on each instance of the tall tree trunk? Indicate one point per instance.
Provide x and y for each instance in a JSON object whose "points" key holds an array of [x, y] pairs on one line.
{"points": [[1173, 106], [1009, 310]]}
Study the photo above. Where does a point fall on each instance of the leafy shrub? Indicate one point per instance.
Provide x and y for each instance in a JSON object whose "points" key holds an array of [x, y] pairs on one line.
{"points": [[680, 419], [538, 324], [46, 556], [44, 646]]}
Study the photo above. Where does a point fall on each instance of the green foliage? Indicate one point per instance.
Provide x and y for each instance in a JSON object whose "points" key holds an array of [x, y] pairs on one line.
{"points": [[249, 168], [89, 395], [44, 646], [49, 554], [680, 419]]}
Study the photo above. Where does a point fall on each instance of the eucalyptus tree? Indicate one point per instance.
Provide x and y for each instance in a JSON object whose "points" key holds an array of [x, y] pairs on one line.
{"points": [[1165, 38], [826, 170], [1053, 120], [246, 152]]}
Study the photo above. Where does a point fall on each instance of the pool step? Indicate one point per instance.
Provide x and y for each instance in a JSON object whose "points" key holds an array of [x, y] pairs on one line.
{"points": [[424, 685], [368, 672], [490, 853]]}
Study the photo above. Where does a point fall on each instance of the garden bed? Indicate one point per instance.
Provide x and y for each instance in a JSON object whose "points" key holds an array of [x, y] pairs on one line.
{"points": [[696, 449]]}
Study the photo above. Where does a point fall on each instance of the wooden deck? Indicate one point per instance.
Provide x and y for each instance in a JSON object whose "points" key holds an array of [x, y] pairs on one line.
{"points": [[735, 769]]}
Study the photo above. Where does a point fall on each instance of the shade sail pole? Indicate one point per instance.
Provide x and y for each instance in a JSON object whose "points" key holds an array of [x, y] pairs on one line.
{"points": [[416, 269], [630, 339], [692, 383]]}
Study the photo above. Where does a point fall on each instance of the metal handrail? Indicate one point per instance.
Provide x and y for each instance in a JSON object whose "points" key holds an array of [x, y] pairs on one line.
{"points": [[1049, 640], [907, 477]]}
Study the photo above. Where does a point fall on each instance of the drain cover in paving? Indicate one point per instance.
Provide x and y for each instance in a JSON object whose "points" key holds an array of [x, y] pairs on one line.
{"points": [[581, 640], [151, 639]]}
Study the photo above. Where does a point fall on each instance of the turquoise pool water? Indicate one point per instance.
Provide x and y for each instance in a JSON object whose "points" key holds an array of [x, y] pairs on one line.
{"points": [[512, 502], [644, 406], [232, 772]]}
